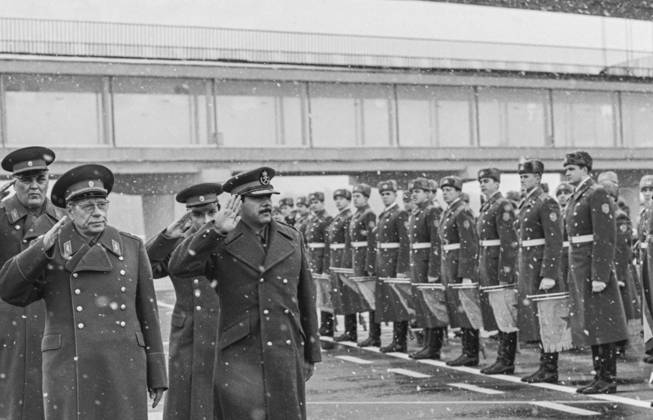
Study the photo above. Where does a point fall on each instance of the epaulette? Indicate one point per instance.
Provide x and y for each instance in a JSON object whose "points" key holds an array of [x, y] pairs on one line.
{"points": [[130, 236]]}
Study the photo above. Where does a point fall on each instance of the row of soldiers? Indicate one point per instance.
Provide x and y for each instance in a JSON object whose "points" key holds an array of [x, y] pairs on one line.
{"points": [[575, 250]]}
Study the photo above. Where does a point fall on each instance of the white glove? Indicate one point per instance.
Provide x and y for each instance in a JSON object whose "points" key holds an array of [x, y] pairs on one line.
{"points": [[547, 283], [467, 280], [598, 286]]}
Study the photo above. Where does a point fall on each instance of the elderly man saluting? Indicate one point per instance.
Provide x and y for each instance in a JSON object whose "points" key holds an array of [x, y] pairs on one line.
{"points": [[267, 337], [102, 347]]}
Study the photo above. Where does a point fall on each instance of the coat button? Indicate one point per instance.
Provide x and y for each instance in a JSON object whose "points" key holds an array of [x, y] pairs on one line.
{"points": [[288, 342], [123, 289], [17, 227], [79, 309], [198, 308], [286, 311], [196, 281], [269, 343], [265, 311], [123, 323], [284, 281], [198, 293], [122, 272], [77, 291], [120, 258], [75, 275], [123, 307], [80, 325], [262, 280]]}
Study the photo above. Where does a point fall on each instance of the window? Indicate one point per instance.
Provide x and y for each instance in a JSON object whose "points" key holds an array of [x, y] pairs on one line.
{"points": [[584, 119], [637, 119], [162, 112], [53, 110], [349, 115], [435, 116], [257, 114], [513, 117]]}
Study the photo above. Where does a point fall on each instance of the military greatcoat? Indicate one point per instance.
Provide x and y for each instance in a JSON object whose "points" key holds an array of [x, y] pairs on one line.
{"points": [[339, 242], [623, 261], [193, 337], [597, 317], [102, 345], [268, 324], [361, 226], [21, 328], [317, 240], [538, 219], [458, 230]]}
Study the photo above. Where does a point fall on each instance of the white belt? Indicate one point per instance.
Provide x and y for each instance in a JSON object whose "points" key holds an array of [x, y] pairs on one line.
{"points": [[643, 245], [316, 245], [490, 242], [565, 244], [420, 245], [336, 246], [581, 239], [533, 242], [451, 247], [358, 244], [387, 245]]}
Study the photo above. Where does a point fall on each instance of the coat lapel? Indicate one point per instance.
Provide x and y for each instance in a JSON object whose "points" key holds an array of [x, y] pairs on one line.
{"points": [[281, 246], [79, 255], [243, 245]]}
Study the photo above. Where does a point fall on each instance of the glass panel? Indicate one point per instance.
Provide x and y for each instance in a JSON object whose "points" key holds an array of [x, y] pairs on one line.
{"points": [[434, 115], [512, 117], [161, 112], [583, 118], [276, 109], [347, 115], [52, 110], [637, 119]]}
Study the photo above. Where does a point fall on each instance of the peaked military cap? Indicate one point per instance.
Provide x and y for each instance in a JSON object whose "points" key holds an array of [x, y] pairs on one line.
{"points": [[492, 173], [301, 201], [33, 158], [251, 183], [318, 195], [452, 181], [579, 158], [420, 184], [363, 189], [433, 184], [199, 194], [80, 182], [342, 192], [286, 201], [564, 187], [389, 185], [646, 182], [530, 166]]}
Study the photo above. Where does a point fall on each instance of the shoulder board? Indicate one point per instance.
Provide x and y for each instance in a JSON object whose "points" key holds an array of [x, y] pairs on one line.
{"points": [[130, 236]]}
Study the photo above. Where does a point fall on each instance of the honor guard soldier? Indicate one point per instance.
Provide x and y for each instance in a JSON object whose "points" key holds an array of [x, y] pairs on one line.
{"points": [[540, 248], [267, 336], [432, 191], [563, 194], [361, 226], [596, 307], [102, 348], [195, 315], [318, 253], [21, 328], [340, 250], [392, 260], [644, 235], [459, 261], [497, 257], [303, 213], [425, 260], [287, 211]]}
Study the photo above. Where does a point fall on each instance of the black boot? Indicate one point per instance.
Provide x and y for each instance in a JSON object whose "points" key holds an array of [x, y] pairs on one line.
{"points": [[374, 337], [605, 381], [399, 333], [432, 344], [547, 372], [350, 329], [505, 363], [326, 324], [469, 357]]}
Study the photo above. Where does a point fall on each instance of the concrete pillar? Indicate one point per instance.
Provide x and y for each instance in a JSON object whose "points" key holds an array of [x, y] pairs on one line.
{"points": [[158, 212]]}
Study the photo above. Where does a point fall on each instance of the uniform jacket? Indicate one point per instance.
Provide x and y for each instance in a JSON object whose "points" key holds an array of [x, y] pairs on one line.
{"points": [[193, 337], [623, 261], [361, 230], [268, 325], [457, 226], [423, 229], [596, 318], [102, 345], [391, 227], [339, 235], [300, 224], [21, 328], [564, 256], [539, 217], [496, 221], [317, 240]]}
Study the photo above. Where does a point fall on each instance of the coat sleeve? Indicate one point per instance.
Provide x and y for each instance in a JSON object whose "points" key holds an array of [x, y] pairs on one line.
{"points": [[22, 277], [148, 315], [326, 257], [159, 249], [552, 227], [369, 219], [468, 245], [433, 217], [347, 257], [307, 309], [403, 259], [505, 223], [192, 256], [605, 230]]}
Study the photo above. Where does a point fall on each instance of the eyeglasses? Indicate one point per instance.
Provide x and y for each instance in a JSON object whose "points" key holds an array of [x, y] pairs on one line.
{"points": [[89, 206], [28, 179]]}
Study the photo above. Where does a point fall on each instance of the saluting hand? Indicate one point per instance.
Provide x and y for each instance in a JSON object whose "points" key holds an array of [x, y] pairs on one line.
{"points": [[178, 228], [156, 395], [227, 217], [51, 236]]}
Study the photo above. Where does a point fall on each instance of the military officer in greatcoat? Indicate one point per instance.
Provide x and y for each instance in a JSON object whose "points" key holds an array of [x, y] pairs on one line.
{"points": [[459, 261], [425, 260], [539, 228], [102, 348], [316, 236], [497, 257], [392, 260], [302, 215], [21, 328], [268, 338], [596, 306], [340, 251], [194, 318], [644, 235], [563, 194]]}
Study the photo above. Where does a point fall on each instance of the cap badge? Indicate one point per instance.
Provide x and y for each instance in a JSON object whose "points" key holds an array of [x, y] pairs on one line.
{"points": [[264, 178], [30, 163], [605, 207], [553, 216], [201, 198], [91, 184]]}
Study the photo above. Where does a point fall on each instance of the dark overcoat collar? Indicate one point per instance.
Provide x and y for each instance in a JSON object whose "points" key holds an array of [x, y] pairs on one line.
{"points": [[16, 211], [584, 186], [531, 196], [79, 256], [491, 200]]}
